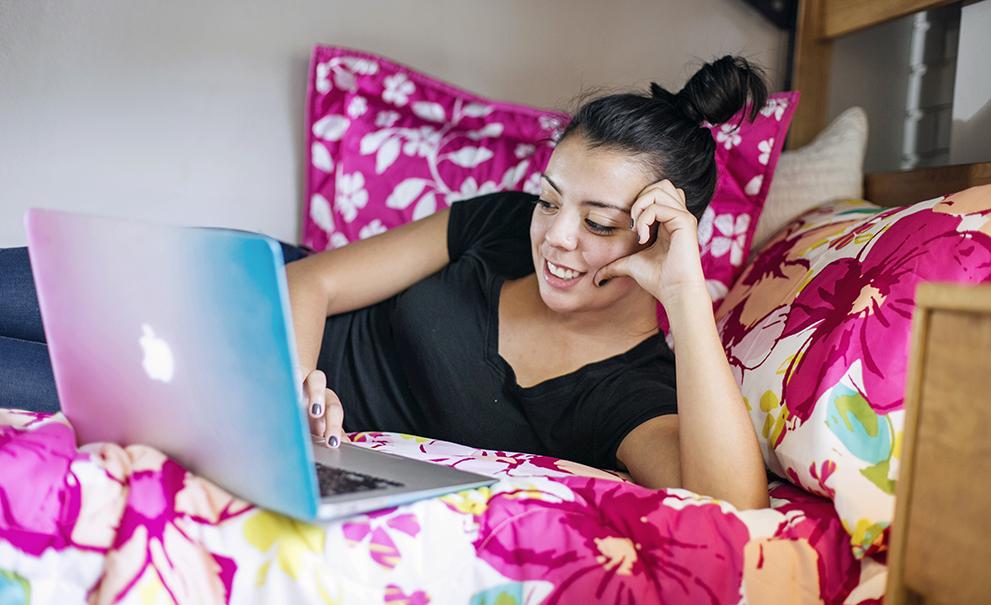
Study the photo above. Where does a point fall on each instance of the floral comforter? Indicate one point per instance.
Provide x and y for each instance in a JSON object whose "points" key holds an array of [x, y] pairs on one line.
{"points": [[106, 524]]}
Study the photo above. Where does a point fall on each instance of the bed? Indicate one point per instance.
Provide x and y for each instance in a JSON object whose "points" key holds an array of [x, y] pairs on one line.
{"points": [[105, 523]]}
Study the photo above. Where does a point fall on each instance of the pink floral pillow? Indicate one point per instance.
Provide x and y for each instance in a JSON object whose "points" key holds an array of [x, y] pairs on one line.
{"points": [[388, 145], [817, 331]]}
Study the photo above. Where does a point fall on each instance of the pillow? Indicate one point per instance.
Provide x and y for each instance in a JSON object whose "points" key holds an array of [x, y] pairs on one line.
{"points": [[817, 331], [746, 157], [828, 168], [387, 144]]}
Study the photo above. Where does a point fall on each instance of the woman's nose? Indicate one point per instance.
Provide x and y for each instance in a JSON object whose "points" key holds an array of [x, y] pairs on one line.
{"points": [[563, 233]]}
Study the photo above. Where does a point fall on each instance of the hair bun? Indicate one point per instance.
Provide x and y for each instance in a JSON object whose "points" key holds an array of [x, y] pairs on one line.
{"points": [[720, 89], [676, 100], [659, 92]]}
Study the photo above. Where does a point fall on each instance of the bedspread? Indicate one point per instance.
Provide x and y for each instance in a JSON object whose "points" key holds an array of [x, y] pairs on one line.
{"points": [[106, 524]]}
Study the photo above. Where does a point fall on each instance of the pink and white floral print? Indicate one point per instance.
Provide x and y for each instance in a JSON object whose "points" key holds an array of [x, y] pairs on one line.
{"points": [[414, 144], [817, 330], [388, 145], [128, 525], [372, 531]]}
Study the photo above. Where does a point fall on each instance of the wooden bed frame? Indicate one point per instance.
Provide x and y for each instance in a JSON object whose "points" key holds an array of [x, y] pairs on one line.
{"points": [[819, 23], [941, 535]]}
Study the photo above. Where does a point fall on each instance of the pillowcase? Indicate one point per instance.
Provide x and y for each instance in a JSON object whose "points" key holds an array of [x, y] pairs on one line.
{"points": [[387, 144], [830, 167], [746, 156], [817, 332]]}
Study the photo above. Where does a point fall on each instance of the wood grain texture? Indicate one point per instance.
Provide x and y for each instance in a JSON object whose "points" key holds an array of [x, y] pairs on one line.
{"points": [[911, 186], [940, 547], [840, 17], [810, 74]]}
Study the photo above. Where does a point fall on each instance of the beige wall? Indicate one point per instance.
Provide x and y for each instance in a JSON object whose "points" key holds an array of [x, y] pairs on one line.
{"points": [[972, 98], [191, 112], [870, 69]]}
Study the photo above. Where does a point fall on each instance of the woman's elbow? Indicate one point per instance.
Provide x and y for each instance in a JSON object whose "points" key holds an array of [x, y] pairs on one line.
{"points": [[752, 501]]}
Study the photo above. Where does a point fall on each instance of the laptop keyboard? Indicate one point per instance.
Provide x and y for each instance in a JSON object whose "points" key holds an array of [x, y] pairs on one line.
{"points": [[336, 481]]}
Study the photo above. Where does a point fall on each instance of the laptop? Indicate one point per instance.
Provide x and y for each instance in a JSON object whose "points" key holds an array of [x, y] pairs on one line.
{"points": [[181, 338]]}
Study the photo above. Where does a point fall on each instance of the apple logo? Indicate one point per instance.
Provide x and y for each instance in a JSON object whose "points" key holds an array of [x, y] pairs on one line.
{"points": [[157, 362]]}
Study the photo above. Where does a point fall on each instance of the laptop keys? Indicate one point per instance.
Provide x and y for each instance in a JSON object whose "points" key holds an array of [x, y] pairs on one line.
{"points": [[337, 481]]}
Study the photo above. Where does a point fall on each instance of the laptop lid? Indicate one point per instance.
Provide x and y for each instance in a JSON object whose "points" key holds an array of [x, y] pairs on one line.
{"points": [[180, 338]]}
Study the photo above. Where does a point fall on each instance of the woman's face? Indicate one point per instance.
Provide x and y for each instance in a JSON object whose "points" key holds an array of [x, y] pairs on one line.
{"points": [[582, 223]]}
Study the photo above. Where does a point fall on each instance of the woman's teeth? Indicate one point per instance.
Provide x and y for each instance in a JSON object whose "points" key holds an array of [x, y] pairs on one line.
{"points": [[562, 272]]}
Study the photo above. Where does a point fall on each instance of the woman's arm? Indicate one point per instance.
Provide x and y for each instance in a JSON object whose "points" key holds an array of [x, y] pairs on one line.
{"points": [[719, 453], [358, 275], [709, 447], [361, 274]]}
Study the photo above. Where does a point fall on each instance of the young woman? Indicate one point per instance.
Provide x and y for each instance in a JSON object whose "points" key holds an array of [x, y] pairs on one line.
{"points": [[527, 323], [521, 322]]}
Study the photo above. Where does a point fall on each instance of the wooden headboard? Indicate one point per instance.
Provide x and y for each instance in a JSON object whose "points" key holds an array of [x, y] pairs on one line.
{"points": [[819, 23]]}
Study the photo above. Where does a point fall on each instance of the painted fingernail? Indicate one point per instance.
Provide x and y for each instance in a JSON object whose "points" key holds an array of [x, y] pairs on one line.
{"points": [[604, 282], [631, 223], [316, 409], [333, 441]]}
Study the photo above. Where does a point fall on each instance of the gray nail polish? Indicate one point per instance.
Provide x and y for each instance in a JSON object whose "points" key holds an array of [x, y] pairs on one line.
{"points": [[631, 223], [332, 441], [316, 409]]}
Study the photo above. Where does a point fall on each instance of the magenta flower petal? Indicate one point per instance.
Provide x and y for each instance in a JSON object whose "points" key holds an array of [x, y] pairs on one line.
{"points": [[615, 543]]}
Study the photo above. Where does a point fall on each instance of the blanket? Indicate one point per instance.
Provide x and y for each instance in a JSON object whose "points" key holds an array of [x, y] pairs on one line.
{"points": [[109, 524]]}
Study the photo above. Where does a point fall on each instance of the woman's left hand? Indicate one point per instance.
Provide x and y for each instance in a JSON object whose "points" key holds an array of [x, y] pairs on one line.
{"points": [[673, 260]]}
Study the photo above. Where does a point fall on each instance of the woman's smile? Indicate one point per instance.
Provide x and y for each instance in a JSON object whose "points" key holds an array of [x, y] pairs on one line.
{"points": [[561, 277]]}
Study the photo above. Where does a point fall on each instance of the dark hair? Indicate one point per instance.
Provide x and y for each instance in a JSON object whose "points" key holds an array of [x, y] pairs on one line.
{"points": [[667, 130]]}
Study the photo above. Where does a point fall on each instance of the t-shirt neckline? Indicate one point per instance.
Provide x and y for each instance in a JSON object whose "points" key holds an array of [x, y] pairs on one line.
{"points": [[556, 383]]}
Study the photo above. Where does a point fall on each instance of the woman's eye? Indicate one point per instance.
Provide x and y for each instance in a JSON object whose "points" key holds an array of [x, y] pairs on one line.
{"points": [[597, 228], [544, 204]]}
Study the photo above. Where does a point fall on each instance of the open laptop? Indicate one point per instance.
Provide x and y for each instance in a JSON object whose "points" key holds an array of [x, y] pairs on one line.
{"points": [[181, 338]]}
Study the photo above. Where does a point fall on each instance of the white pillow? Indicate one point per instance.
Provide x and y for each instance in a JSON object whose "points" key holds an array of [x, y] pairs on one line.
{"points": [[831, 166]]}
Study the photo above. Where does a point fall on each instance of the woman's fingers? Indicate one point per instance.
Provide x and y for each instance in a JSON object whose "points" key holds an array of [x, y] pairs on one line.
{"points": [[659, 195], [657, 192], [617, 268], [333, 433], [324, 408], [313, 390], [314, 386], [655, 214], [661, 202]]}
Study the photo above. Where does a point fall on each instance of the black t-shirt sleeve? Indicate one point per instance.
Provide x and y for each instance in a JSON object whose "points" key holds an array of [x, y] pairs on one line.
{"points": [[495, 226], [625, 404]]}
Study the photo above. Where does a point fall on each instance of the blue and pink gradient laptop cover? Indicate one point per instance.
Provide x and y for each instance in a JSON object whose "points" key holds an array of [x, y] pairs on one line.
{"points": [[148, 325]]}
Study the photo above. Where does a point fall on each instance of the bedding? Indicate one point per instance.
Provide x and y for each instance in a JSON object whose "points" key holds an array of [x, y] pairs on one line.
{"points": [[388, 144], [817, 332], [105, 524]]}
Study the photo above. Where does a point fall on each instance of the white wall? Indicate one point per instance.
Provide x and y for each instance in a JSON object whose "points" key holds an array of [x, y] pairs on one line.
{"points": [[970, 140], [191, 111], [870, 68]]}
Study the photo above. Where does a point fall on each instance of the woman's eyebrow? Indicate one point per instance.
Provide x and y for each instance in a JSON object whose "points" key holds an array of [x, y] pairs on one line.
{"points": [[595, 203]]}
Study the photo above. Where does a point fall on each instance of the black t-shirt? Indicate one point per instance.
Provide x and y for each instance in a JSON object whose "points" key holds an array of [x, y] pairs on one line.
{"points": [[427, 362]]}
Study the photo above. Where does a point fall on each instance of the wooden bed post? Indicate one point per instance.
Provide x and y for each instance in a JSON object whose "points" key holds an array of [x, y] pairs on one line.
{"points": [[940, 551], [810, 73]]}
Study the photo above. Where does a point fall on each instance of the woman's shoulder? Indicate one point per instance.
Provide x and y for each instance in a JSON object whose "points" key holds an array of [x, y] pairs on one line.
{"points": [[494, 229], [492, 216]]}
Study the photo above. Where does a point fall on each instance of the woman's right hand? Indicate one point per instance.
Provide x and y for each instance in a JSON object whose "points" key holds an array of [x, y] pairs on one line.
{"points": [[324, 409]]}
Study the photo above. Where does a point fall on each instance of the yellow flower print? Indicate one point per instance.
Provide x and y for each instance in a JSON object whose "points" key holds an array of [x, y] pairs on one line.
{"points": [[293, 541], [469, 502]]}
